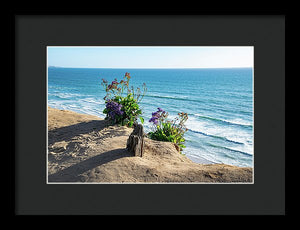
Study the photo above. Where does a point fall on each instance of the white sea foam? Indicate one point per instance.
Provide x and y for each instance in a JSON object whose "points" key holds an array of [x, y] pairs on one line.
{"points": [[235, 121], [215, 156], [239, 139], [240, 121]]}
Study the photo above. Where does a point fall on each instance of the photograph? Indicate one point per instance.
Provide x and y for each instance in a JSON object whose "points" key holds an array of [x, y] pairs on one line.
{"points": [[150, 114]]}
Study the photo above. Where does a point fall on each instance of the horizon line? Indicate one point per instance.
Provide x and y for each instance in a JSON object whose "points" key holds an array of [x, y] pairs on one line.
{"points": [[234, 67]]}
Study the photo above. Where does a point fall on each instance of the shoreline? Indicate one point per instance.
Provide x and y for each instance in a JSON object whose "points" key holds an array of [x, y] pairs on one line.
{"points": [[84, 148]]}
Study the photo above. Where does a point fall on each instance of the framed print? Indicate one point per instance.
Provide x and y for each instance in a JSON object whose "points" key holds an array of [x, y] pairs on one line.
{"points": [[179, 114], [202, 135]]}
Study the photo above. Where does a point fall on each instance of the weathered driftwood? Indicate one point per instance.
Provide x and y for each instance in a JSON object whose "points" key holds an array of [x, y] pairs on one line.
{"points": [[135, 142]]}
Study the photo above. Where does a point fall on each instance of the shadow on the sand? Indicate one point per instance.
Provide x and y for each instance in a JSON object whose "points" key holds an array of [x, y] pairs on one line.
{"points": [[68, 132], [72, 173]]}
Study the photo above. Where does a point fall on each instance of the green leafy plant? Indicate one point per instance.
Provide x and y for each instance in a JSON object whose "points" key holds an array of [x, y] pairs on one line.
{"points": [[166, 130], [122, 101]]}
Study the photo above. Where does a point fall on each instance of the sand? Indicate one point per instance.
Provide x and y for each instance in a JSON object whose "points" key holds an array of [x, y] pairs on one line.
{"points": [[84, 148]]}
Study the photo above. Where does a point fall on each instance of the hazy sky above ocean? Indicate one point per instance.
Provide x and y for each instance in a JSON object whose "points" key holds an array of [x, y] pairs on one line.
{"points": [[151, 56]]}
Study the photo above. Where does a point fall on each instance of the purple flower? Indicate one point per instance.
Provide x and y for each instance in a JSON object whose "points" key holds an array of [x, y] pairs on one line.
{"points": [[154, 120], [155, 114], [114, 109]]}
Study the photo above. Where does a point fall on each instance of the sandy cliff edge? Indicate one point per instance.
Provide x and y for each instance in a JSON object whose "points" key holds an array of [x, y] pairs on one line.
{"points": [[84, 148]]}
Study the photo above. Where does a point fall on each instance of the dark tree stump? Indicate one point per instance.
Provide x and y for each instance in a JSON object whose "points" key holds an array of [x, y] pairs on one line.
{"points": [[135, 142]]}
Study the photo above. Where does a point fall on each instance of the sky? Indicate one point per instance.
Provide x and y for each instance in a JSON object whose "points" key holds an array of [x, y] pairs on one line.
{"points": [[150, 56]]}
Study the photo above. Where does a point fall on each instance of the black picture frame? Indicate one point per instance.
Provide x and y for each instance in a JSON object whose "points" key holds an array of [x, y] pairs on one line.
{"points": [[33, 33]]}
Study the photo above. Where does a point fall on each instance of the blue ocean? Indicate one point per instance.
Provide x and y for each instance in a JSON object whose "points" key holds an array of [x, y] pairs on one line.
{"points": [[219, 103]]}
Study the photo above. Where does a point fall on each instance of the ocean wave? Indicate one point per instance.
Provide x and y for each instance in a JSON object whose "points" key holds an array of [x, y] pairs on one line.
{"points": [[77, 106], [236, 134], [208, 104], [232, 136], [182, 98], [226, 157], [64, 95], [230, 149], [236, 122], [215, 136], [93, 100], [201, 152]]}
